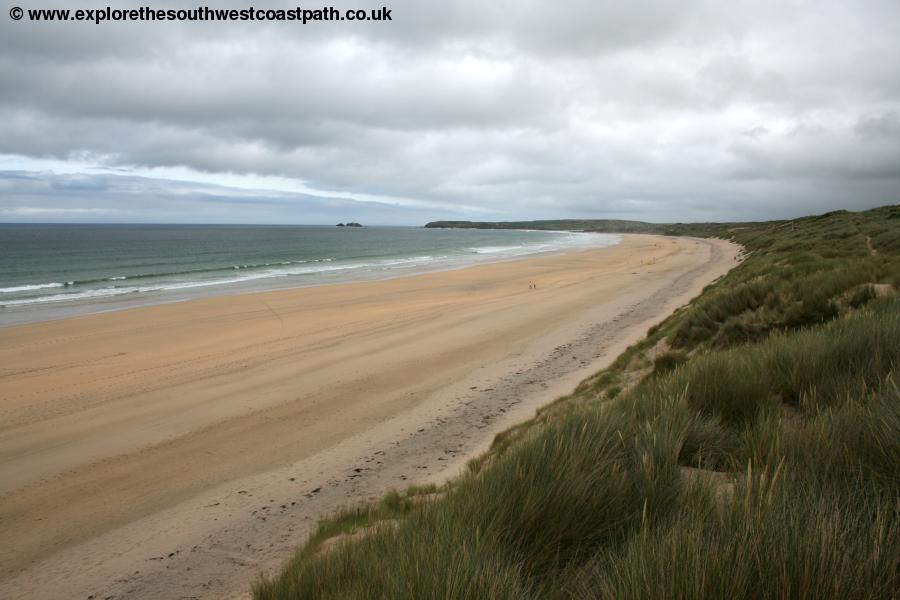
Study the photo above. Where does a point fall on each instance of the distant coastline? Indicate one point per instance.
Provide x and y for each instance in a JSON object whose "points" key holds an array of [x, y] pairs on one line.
{"points": [[590, 226]]}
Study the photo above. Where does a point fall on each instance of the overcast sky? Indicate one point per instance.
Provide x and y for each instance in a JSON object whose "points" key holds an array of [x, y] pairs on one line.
{"points": [[465, 109]]}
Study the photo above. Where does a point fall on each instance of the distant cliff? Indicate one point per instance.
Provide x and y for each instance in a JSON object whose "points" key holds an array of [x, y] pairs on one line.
{"points": [[593, 225]]}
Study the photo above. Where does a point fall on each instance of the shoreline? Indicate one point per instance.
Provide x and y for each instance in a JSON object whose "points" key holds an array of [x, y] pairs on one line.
{"points": [[56, 310], [419, 423]]}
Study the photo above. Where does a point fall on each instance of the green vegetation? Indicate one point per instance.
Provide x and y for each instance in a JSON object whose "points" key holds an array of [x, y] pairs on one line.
{"points": [[593, 225], [748, 447]]}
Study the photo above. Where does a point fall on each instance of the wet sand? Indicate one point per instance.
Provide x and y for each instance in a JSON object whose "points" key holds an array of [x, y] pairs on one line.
{"points": [[178, 450]]}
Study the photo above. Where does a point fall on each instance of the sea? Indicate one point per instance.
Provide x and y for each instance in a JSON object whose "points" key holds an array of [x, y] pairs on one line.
{"points": [[55, 271]]}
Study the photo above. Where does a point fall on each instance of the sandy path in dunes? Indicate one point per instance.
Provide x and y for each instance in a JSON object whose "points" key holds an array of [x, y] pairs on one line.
{"points": [[176, 451]]}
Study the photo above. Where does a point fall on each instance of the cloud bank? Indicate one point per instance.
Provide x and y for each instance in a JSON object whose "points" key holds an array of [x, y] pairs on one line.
{"points": [[652, 110]]}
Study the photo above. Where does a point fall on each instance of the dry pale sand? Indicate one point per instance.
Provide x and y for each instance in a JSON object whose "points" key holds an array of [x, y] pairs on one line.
{"points": [[176, 451]]}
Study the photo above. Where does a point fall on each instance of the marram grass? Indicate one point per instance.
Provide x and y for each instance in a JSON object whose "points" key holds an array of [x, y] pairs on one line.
{"points": [[758, 457]]}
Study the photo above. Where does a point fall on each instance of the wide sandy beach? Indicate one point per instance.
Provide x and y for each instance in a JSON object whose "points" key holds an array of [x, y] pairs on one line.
{"points": [[177, 450]]}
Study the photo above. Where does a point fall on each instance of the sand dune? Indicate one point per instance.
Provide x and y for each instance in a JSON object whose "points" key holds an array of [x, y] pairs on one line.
{"points": [[177, 450]]}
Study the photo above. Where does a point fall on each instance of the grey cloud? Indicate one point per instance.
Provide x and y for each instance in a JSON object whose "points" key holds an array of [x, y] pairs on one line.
{"points": [[879, 126], [650, 109]]}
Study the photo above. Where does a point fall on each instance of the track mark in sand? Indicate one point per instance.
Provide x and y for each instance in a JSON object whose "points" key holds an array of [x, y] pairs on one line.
{"points": [[872, 250]]}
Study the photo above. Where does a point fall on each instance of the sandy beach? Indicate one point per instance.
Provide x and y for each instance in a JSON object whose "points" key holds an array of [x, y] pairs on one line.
{"points": [[176, 451]]}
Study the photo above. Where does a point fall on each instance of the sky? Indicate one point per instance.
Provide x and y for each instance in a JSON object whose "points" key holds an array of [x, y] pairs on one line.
{"points": [[651, 110]]}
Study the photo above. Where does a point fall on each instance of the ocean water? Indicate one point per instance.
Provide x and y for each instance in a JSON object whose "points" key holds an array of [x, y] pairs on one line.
{"points": [[49, 271]]}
